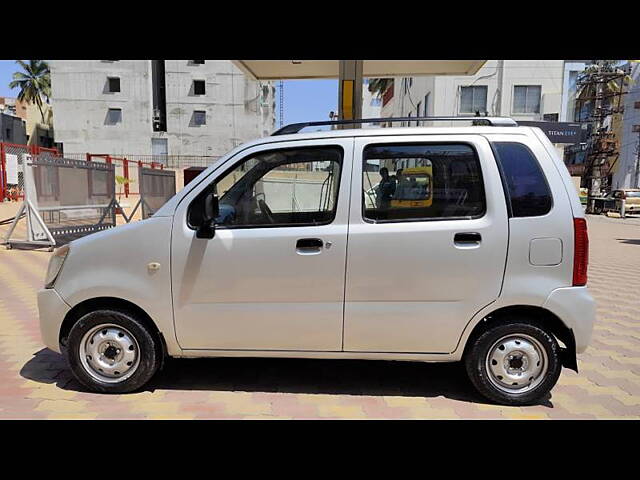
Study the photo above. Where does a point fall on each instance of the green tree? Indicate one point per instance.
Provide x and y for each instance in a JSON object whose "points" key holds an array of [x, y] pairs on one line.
{"points": [[34, 83], [377, 86]]}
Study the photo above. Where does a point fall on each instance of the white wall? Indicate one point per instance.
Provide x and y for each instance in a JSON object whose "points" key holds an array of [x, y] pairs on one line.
{"points": [[445, 97], [625, 176], [236, 109]]}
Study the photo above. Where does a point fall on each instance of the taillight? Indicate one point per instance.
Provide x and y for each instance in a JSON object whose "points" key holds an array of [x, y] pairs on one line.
{"points": [[580, 252]]}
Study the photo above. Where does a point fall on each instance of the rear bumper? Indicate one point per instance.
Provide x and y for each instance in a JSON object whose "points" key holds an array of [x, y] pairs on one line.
{"points": [[52, 310], [577, 309]]}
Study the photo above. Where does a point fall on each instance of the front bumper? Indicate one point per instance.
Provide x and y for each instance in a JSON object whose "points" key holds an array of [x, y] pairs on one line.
{"points": [[52, 310], [577, 309]]}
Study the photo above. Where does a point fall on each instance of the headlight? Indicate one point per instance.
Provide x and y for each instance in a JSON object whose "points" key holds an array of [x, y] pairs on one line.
{"points": [[55, 265]]}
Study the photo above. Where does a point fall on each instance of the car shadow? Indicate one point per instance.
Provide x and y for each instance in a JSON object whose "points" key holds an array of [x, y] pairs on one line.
{"points": [[285, 375]]}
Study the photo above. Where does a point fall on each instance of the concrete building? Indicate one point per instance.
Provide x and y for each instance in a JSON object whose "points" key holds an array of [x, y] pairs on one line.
{"points": [[525, 90], [521, 89], [39, 131], [12, 129], [148, 107], [627, 173]]}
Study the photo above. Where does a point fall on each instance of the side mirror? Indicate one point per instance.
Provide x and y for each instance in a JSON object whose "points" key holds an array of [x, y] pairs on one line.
{"points": [[210, 211]]}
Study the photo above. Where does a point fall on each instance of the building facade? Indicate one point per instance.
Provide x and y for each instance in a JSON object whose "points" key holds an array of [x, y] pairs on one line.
{"points": [[157, 107], [12, 129], [627, 173], [521, 89]]}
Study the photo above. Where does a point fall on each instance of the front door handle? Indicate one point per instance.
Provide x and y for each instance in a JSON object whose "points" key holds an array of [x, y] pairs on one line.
{"points": [[309, 246], [467, 238]]}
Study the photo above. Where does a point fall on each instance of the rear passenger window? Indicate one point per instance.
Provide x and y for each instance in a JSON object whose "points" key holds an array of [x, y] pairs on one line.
{"points": [[411, 182], [528, 191]]}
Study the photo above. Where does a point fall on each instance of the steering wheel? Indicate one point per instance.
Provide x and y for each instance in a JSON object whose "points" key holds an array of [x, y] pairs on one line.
{"points": [[266, 211]]}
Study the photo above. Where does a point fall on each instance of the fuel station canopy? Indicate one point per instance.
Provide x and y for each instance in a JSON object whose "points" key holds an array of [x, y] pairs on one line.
{"points": [[301, 69], [351, 73]]}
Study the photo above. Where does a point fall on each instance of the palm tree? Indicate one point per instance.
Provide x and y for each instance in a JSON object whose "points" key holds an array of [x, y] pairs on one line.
{"points": [[34, 83], [377, 86]]}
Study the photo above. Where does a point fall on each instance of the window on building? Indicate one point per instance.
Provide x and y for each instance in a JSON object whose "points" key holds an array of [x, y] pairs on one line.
{"points": [[197, 62], [199, 117], [199, 87], [421, 182], [114, 116], [636, 105], [526, 98], [262, 190], [426, 104], [473, 99], [528, 192], [113, 84]]}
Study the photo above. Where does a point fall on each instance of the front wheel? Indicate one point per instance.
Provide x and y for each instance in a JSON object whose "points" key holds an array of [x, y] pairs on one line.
{"points": [[514, 364], [111, 351]]}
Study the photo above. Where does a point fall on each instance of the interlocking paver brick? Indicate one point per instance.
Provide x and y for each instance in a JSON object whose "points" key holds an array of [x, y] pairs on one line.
{"points": [[36, 382]]}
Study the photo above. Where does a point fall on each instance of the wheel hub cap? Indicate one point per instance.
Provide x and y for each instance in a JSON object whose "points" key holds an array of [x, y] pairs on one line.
{"points": [[109, 353], [516, 363]]}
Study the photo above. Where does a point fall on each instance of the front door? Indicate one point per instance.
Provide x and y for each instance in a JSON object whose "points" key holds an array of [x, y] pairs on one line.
{"points": [[272, 278], [427, 241]]}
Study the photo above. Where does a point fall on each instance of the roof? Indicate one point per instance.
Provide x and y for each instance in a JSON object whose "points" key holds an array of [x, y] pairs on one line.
{"points": [[390, 131]]}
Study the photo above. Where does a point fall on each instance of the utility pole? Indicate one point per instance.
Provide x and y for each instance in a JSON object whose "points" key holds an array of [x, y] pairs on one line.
{"points": [[281, 103], [602, 86], [637, 172]]}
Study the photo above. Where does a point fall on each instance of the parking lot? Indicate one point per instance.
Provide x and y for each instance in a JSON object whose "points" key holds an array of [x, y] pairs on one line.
{"points": [[35, 382]]}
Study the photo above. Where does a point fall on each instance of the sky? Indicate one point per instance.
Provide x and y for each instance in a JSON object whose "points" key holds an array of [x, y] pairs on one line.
{"points": [[304, 100], [7, 67]]}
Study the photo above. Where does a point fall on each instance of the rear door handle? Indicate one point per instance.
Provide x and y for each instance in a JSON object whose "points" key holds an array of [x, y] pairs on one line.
{"points": [[309, 246], [467, 238]]}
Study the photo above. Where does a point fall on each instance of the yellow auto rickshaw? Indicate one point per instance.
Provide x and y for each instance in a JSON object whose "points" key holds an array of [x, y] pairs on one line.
{"points": [[414, 188]]}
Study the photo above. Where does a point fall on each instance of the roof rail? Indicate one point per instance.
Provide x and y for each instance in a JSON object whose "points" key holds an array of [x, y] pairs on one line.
{"points": [[492, 121]]}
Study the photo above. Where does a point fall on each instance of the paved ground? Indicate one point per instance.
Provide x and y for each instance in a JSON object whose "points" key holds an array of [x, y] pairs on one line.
{"points": [[35, 382]]}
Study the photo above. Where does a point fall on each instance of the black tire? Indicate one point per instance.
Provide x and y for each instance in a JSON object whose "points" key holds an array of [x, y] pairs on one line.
{"points": [[597, 210], [150, 351], [476, 363]]}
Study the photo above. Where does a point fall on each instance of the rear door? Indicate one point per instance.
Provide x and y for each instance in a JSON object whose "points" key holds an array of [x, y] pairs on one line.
{"points": [[420, 267]]}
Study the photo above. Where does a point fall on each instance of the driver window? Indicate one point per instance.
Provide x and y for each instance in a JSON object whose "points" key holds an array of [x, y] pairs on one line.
{"points": [[281, 188]]}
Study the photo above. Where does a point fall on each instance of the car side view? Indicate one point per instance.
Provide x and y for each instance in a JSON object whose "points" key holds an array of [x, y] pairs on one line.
{"points": [[434, 244]]}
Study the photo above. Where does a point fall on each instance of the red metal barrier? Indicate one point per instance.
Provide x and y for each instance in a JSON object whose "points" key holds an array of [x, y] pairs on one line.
{"points": [[125, 164]]}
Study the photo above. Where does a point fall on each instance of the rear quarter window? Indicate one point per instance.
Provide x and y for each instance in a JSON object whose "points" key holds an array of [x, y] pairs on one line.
{"points": [[528, 192]]}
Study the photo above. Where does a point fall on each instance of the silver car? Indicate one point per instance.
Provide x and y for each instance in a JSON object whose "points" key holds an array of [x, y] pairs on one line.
{"points": [[295, 246]]}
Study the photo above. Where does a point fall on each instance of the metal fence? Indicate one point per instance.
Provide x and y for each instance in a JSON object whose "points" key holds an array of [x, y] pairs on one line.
{"points": [[167, 161], [156, 188], [64, 199], [11, 171]]}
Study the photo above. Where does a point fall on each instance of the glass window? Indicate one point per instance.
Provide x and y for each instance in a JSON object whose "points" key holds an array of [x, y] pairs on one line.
{"points": [[114, 116], [199, 117], [281, 188], [199, 87], [527, 187], [421, 182], [114, 84], [473, 99], [526, 99]]}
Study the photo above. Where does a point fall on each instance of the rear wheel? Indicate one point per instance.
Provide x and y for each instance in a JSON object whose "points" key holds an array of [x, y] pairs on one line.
{"points": [[514, 364], [111, 351]]}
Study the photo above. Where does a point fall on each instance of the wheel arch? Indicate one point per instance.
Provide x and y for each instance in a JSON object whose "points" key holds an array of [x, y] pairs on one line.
{"points": [[97, 303], [532, 314]]}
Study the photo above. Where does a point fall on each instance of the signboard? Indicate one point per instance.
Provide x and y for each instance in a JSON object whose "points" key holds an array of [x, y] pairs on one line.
{"points": [[558, 132], [12, 168]]}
